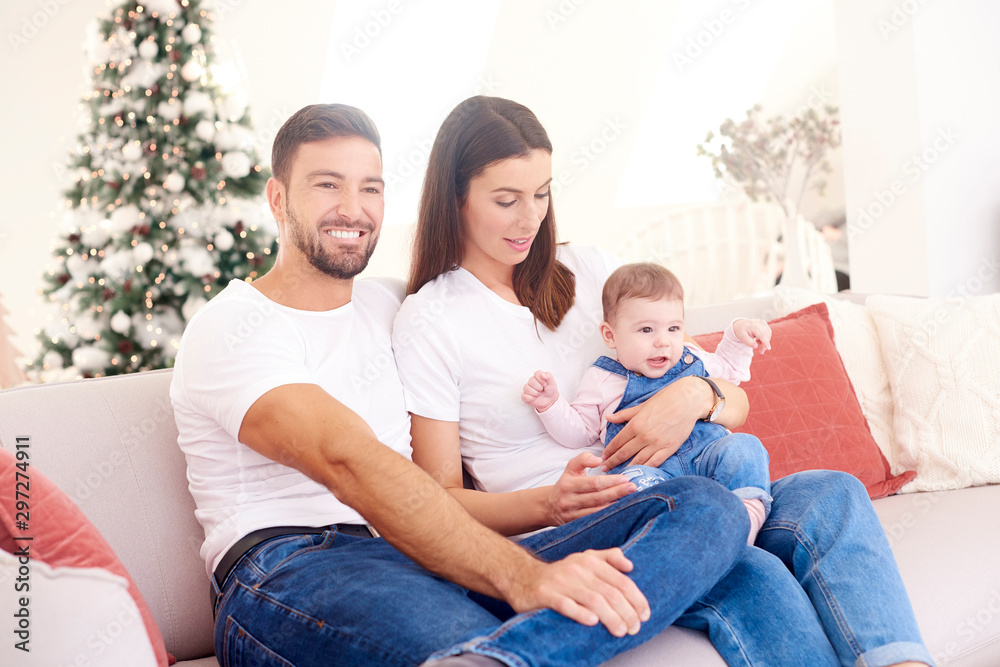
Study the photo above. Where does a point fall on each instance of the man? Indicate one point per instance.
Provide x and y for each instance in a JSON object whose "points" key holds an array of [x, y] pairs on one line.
{"points": [[292, 420]]}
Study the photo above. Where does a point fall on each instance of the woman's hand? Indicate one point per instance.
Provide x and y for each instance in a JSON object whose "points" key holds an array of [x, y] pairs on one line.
{"points": [[576, 494], [658, 427]]}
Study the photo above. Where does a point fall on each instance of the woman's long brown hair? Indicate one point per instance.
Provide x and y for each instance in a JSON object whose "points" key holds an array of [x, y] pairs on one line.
{"points": [[476, 134]]}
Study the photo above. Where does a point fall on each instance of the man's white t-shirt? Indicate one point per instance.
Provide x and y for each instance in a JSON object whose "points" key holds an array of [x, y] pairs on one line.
{"points": [[238, 347], [464, 354]]}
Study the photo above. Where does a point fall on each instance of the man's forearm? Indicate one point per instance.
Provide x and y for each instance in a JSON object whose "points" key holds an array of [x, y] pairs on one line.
{"points": [[421, 519]]}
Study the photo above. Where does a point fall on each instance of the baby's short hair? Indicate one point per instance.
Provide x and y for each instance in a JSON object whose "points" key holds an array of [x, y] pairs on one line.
{"points": [[642, 280]]}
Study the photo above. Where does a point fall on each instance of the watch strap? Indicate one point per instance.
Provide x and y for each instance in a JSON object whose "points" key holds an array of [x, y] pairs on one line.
{"points": [[720, 399]]}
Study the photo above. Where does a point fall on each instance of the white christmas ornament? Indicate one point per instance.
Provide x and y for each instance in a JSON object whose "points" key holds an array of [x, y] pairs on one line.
{"points": [[192, 71], [71, 220], [224, 241], [169, 110], [233, 137], [191, 306], [146, 333], [197, 260], [97, 235], [140, 77], [236, 164], [117, 264], [123, 219], [121, 323], [90, 358], [235, 105], [52, 361], [169, 322], [148, 49], [205, 130], [197, 102], [132, 151], [79, 268], [164, 8], [88, 327], [142, 253], [121, 45], [174, 182], [59, 330], [171, 259], [191, 33]]}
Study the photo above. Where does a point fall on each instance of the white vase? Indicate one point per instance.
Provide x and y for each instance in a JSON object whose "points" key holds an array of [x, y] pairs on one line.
{"points": [[793, 273]]}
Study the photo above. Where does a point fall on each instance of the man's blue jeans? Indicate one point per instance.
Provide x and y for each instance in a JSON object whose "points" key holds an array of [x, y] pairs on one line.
{"points": [[332, 599], [820, 588]]}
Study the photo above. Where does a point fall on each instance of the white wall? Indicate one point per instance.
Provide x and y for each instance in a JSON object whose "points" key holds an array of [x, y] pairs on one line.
{"points": [[602, 75], [920, 102]]}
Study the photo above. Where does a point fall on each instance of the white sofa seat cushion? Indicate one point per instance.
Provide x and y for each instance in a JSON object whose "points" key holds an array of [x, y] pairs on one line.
{"points": [[946, 546]]}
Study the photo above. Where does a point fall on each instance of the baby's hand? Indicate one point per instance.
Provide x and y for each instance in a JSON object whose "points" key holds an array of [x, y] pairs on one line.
{"points": [[755, 334], [540, 392]]}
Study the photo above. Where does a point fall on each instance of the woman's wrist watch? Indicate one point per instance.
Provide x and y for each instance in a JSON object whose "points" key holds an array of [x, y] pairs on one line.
{"points": [[720, 401]]}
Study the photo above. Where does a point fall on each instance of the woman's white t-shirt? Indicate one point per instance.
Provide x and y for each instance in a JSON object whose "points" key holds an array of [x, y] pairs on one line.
{"points": [[464, 355], [238, 347]]}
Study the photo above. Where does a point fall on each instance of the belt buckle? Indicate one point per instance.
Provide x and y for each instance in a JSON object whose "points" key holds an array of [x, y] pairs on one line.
{"points": [[371, 529]]}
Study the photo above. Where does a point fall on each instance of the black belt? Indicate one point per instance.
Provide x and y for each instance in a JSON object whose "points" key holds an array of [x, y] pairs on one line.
{"points": [[251, 540]]}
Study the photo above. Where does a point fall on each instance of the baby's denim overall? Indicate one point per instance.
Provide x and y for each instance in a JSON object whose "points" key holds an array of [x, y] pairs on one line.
{"points": [[738, 461]]}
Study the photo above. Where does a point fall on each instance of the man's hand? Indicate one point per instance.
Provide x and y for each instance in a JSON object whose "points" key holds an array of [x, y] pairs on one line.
{"points": [[755, 334], [588, 587], [577, 494], [540, 391]]}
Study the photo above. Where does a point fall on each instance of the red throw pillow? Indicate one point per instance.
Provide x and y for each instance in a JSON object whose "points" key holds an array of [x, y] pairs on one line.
{"points": [[803, 407], [61, 535]]}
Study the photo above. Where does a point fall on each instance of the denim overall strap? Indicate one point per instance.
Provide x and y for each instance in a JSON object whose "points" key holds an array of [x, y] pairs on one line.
{"points": [[640, 387], [610, 365]]}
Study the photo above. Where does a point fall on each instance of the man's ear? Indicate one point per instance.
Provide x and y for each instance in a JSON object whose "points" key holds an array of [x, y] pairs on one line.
{"points": [[276, 200], [608, 335]]}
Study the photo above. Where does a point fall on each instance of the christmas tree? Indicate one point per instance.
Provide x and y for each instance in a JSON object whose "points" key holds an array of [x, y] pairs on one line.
{"points": [[10, 374], [163, 209]]}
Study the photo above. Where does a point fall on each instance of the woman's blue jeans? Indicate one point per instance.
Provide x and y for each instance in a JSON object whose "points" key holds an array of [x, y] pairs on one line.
{"points": [[822, 571], [334, 599]]}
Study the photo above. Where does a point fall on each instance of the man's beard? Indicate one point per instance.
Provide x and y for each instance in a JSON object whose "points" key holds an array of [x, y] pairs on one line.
{"points": [[344, 266]]}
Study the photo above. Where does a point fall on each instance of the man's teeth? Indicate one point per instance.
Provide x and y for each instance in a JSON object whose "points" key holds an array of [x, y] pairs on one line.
{"points": [[341, 234]]}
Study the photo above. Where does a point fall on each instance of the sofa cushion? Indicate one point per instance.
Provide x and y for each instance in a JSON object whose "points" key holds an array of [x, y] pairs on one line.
{"points": [[945, 544], [111, 445], [53, 531], [803, 407], [111, 633], [856, 338], [941, 355]]}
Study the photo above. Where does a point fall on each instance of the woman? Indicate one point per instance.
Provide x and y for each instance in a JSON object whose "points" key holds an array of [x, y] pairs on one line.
{"points": [[492, 299]]}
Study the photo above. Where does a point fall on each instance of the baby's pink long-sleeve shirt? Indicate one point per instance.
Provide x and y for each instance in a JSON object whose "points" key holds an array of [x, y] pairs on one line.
{"points": [[582, 422]]}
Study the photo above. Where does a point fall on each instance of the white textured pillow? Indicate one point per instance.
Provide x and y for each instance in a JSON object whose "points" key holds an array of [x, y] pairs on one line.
{"points": [[943, 357], [75, 616], [857, 342]]}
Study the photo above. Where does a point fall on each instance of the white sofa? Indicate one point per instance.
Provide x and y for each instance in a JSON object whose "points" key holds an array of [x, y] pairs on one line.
{"points": [[110, 444]]}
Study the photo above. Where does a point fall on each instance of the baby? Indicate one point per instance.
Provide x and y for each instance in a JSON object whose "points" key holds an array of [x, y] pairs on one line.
{"points": [[644, 324]]}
